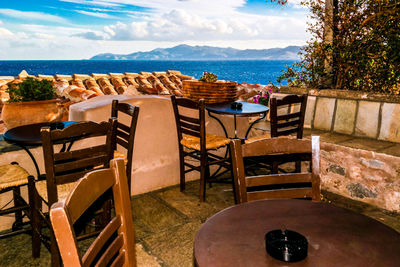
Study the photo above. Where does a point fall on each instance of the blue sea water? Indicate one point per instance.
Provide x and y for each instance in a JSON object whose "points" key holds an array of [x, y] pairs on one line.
{"points": [[251, 71]]}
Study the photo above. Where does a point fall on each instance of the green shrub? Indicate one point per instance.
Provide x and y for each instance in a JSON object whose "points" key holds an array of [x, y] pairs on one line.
{"points": [[30, 89], [364, 54]]}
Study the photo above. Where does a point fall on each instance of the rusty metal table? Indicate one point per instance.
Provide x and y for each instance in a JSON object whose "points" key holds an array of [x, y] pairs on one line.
{"points": [[27, 136], [247, 110], [336, 236]]}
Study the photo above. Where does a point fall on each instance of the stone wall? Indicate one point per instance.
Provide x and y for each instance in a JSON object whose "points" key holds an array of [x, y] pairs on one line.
{"points": [[361, 175], [354, 113]]}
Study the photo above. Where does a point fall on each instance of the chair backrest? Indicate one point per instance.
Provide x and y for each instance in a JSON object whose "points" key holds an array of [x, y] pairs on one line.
{"points": [[66, 166], [304, 184], [125, 135], [291, 121], [190, 125], [115, 246]]}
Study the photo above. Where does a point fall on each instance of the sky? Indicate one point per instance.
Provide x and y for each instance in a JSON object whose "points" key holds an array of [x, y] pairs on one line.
{"points": [[80, 29]]}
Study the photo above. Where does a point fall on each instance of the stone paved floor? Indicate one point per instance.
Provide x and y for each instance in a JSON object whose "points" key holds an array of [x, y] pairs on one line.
{"points": [[166, 222]]}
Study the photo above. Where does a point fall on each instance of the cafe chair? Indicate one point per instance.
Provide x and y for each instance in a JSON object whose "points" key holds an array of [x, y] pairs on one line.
{"points": [[125, 135], [64, 168], [115, 246], [304, 184], [286, 118], [195, 143], [12, 178]]}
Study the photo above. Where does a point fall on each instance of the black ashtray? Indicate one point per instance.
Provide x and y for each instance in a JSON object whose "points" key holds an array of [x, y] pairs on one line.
{"points": [[56, 125], [286, 245], [236, 106]]}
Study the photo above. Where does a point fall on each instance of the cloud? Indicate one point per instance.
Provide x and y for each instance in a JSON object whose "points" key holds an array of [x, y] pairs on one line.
{"points": [[90, 36], [96, 14], [25, 15], [94, 3], [179, 26]]}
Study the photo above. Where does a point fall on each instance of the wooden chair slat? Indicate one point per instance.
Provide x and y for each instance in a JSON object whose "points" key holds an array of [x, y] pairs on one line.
{"points": [[282, 193], [190, 126], [190, 132], [286, 124], [100, 241], [122, 135], [288, 116], [78, 165], [122, 143], [119, 260], [277, 146], [284, 178], [286, 132], [81, 153], [189, 119], [110, 252], [123, 127]]}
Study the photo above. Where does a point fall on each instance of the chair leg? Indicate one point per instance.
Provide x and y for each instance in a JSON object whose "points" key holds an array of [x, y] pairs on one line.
{"points": [[35, 205], [55, 254], [203, 174], [17, 203], [182, 169]]}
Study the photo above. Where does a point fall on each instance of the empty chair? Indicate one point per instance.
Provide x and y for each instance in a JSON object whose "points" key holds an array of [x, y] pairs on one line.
{"points": [[195, 143], [125, 135], [115, 246], [64, 168], [12, 178], [304, 184], [290, 122]]}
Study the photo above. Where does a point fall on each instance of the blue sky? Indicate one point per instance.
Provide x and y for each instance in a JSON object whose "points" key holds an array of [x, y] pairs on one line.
{"points": [[80, 29]]}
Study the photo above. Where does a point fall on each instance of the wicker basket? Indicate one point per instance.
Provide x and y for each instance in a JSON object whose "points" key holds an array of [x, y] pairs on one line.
{"points": [[216, 92]]}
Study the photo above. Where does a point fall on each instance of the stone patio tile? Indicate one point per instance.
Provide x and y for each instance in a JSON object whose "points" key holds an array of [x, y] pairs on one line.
{"points": [[144, 259], [174, 246], [324, 113], [153, 215], [367, 144], [345, 116], [393, 150], [367, 119], [187, 204]]}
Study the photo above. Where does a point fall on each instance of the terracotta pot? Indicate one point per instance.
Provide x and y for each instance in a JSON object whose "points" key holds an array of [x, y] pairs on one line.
{"points": [[21, 113]]}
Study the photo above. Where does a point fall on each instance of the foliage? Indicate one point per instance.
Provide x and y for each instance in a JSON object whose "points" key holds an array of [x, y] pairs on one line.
{"points": [[365, 51], [30, 89], [263, 97], [208, 77]]}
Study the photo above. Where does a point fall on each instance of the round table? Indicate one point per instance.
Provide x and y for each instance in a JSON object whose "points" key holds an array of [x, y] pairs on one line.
{"points": [[336, 236], [29, 135], [247, 110]]}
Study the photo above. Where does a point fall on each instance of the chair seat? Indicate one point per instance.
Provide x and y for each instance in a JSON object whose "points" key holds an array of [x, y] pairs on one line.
{"points": [[120, 155], [212, 141], [62, 190], [12, 175]]}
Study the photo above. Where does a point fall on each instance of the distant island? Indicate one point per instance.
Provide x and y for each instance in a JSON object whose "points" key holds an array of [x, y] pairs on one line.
{"points": [[187, 52]]}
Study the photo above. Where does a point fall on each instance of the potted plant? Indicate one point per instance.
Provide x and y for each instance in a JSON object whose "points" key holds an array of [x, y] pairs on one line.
{"points": [[31, 101], [210, 89]]}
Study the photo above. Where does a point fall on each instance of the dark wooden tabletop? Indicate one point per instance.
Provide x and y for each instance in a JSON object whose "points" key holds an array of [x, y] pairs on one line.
{"points": [[29, 135], [336, 236], [248, 109]]}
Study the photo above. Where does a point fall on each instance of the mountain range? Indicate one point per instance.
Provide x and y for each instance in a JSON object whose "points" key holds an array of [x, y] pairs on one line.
{"points": [[187, 52]]}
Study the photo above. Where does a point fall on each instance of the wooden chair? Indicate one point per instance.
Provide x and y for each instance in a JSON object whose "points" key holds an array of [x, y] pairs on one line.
{"points": [[305, 184], [195, 143], [12, 179], [125, 135], [115, 246], [292, 121], [64, 168]]}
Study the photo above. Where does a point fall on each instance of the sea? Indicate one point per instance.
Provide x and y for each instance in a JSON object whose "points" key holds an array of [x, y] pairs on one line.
{"points": [[250, 71]]}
